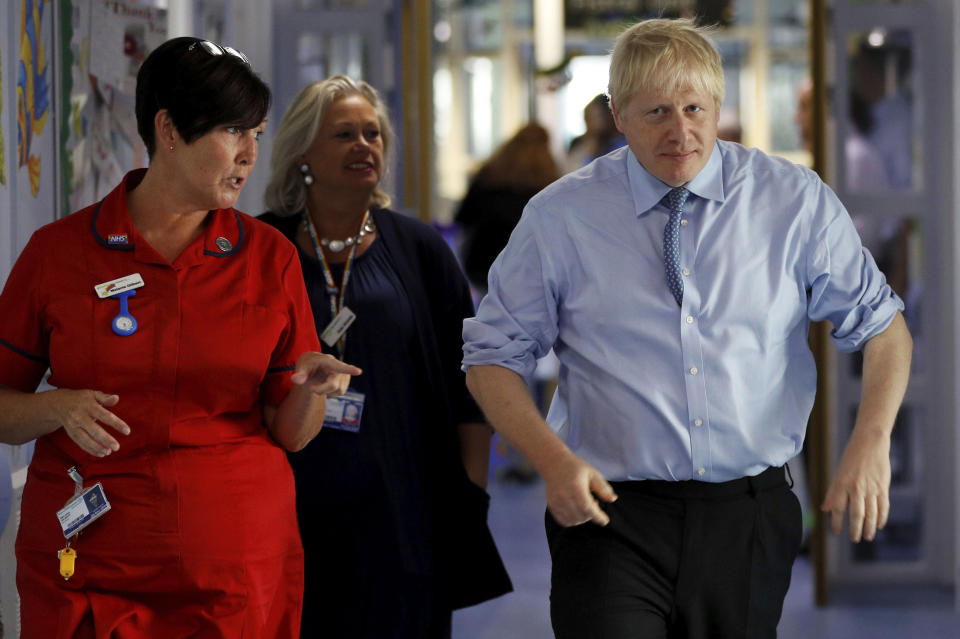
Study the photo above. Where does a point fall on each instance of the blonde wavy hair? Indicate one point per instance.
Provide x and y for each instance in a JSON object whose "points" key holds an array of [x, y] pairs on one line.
{"points": [[286, 194], [664, 55]]}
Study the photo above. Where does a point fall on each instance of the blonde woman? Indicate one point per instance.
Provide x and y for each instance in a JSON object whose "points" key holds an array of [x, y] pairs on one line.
{"points": [[390, 494]]}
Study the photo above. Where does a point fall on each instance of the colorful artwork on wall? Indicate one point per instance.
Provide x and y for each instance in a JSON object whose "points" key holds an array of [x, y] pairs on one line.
{"points": [[105, 45], [33, 87]]}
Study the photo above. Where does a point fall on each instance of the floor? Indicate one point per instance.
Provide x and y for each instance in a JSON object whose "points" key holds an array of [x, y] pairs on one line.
{"points": [[516, 519]]}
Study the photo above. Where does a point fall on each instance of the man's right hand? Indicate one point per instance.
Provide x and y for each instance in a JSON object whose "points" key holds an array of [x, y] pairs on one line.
{"points": [[573, 486], [573, 490]]}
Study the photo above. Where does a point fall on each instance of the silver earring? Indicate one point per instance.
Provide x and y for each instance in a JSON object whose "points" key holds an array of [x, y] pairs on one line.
{"points": [[171, 147], [305, 172]]}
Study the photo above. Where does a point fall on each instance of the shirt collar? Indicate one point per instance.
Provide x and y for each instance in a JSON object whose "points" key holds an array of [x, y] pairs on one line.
{"points": [[223, 233], [648, 191]]}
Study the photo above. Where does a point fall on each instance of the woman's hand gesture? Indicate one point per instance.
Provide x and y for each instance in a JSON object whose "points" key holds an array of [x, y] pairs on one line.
{"points": [[323, 374]]}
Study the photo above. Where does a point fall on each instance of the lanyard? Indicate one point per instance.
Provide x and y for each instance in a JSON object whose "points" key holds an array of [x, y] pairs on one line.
{"points": [[336, 293]]}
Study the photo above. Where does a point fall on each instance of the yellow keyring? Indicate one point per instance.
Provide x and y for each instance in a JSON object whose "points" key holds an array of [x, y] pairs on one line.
{"points": [[68, 561]]}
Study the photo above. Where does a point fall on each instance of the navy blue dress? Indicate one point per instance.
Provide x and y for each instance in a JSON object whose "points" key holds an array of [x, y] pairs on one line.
{"points": [[361, 497], [388, 451], [394, 532]]}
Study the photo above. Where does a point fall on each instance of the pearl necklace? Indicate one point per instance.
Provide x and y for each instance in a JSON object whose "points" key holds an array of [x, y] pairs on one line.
{"points": [[335, 246]]}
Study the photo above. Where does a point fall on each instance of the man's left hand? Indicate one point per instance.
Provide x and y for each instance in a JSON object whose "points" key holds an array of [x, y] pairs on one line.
{"points": [[862, 483]]}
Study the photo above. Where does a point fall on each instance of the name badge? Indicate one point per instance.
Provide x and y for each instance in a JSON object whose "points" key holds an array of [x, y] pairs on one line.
{"points": [[82, 510], [344, 412], [119, 285], [335, 329]]}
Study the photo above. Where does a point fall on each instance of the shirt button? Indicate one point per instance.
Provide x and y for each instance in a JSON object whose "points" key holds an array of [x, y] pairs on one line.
{"points": [[685, 271], [689, 319], [698, 422], [694, 370], [701, 471], [684, 222]]}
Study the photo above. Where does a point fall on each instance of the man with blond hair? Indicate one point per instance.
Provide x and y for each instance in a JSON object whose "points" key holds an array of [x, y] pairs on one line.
{"points": [[675, 279]]}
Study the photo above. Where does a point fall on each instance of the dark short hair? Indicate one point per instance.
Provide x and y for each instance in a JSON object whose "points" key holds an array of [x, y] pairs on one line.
{"points": [[199, 90]]}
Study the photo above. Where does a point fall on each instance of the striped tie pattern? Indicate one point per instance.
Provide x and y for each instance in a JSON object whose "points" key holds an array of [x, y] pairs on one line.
{"points": [[674, 200]]}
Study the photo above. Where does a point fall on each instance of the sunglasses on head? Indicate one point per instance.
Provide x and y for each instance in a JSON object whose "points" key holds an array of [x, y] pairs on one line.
{"points": [[215, 49]]}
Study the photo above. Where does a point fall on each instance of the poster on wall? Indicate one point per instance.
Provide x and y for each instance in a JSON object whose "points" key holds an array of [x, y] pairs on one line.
{"points": [[35, 199], [107, 42]]}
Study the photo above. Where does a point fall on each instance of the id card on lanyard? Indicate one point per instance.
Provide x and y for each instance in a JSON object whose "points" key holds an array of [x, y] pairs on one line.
{"points": [[336, 331], [85, 507], [343, 412]]}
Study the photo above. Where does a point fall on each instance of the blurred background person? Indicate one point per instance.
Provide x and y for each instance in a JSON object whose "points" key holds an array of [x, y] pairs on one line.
{"points": [[803, 116], [174, 395], [862, 160], [392, 510], [501, 187], [601, 136], [863, 163], [882, 116]]}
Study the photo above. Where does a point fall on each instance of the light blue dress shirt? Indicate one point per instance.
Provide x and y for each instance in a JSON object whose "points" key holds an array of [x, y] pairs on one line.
{"points": [[718, 388]]}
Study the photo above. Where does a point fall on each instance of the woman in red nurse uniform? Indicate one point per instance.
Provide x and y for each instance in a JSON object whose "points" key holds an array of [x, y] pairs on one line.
{"points": [[182, 347]]}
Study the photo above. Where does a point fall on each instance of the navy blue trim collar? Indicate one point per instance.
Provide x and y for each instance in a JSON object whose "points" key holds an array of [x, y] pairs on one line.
{"points": [[236, 247], [128, 245]]}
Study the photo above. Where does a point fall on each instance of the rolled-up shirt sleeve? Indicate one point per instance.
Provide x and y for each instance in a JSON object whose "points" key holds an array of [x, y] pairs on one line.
{"points": [[847, 288], [516, 322]]}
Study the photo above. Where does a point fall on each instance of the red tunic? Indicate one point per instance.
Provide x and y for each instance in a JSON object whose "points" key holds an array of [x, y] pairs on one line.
{"points": [[202, 537]]}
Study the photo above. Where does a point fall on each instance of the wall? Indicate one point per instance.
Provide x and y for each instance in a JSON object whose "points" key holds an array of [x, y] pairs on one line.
{"points": [[22, 210], [28, 174], [950, 19]]}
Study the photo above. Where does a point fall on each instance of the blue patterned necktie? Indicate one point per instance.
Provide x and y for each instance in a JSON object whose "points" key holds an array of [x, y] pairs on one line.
{"points": [[674, 201]]}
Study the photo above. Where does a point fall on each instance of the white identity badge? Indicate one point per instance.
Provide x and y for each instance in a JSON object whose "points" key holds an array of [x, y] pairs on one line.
{"points": [[344, 412], [119, 285], [82, 510], [335, 329]]}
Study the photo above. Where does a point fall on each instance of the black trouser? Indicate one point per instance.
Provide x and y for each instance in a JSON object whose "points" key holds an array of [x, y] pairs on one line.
{"points": [[678, 560]]}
